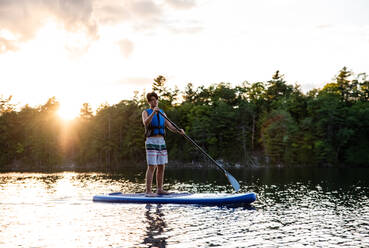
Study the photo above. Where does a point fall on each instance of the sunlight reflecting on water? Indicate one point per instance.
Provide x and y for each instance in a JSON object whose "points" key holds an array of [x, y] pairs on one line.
{"points": [[56, 210]]}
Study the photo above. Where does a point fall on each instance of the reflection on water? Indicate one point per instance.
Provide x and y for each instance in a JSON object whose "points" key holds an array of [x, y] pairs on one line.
{"points": [[155, 226], [295, 207]]}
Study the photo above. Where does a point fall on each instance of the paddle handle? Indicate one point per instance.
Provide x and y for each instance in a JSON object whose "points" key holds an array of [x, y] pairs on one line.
{"points": [[194, 143]]}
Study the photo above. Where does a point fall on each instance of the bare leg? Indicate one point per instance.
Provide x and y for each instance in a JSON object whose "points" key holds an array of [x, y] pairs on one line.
{"points": [[149, 175], [160, 179]]}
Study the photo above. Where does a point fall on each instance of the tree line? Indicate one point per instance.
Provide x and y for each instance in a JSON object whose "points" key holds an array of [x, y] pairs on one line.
{"points": [[260, 123]]}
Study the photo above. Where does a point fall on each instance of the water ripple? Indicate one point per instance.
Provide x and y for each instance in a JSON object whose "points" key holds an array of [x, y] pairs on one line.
{"points": [[55, 210]]}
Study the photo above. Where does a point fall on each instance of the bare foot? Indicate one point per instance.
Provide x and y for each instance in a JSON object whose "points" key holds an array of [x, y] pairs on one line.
{"points": [[150, 194], [162, 192]]}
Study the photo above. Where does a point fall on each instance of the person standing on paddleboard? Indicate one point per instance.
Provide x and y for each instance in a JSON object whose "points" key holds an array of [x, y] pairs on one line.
{"points": [[156, 151]]}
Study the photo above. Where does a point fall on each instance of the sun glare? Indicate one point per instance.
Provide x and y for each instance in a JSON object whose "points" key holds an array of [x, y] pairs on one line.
{"points": [[68, 112]]}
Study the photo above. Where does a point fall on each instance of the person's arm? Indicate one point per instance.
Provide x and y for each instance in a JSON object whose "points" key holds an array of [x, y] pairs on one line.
{"points": [[172, 128], [146, 119]]}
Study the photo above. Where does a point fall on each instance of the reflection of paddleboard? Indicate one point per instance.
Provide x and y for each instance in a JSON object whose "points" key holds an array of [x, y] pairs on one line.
{"points": [[178, 198]]}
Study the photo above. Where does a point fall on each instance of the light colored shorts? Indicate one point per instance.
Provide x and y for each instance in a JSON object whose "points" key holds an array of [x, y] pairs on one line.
{"points": [[156, 151]]}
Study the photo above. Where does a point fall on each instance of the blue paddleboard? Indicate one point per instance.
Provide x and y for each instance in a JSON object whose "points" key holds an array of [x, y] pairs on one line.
{"points": [[178, 198]]}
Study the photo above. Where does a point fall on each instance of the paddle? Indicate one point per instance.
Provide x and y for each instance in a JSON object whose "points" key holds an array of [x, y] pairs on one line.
{"points": [[230, 178]]}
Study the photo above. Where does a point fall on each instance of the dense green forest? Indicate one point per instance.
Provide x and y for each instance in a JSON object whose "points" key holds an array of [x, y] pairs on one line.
{"points": [[261, 123]]}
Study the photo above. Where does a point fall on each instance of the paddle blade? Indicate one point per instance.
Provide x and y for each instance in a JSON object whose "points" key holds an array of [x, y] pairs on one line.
{"points": [[233, 181]]}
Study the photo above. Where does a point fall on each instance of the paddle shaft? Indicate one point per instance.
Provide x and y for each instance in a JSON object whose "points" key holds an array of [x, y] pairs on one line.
{"points": [[194, 143]]}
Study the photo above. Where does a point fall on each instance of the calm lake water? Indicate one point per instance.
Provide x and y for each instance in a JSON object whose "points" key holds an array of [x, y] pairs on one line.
{"points": [[301, 207]]}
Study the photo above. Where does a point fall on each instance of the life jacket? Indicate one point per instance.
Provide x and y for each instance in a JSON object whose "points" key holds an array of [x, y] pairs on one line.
{"points": [[157, 124]]}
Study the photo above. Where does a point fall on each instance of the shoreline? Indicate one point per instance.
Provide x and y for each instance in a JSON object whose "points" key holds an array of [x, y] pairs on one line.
{"points": [[73, 167]]}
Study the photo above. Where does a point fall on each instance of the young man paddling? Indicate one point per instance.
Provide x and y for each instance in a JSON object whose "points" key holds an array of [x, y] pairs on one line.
{"points": [[156, 151]]}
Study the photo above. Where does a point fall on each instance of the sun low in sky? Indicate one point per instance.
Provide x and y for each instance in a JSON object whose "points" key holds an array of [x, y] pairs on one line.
{"points": [[101, 51], [68, 111]]}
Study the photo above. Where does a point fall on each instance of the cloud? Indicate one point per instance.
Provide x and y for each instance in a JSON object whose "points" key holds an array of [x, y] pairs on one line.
{"points": [[76, 15], [111, 14], [181, 4], [145, 8], [126, 47], [142, 14], [23, 18], [7, 45], [20, 19]]}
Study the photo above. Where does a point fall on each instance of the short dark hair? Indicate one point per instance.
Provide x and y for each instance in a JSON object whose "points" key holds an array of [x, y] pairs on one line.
{"points": [[151, 94]]}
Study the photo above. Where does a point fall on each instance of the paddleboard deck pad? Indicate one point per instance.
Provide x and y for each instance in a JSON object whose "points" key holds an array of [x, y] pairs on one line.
{"points": [[178, 198]]}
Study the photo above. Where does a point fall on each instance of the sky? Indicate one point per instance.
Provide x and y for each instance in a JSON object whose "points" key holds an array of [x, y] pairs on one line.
{"points": [[101, 51]]}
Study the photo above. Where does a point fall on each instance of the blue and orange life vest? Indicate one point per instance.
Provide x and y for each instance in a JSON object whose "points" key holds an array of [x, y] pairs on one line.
{"points": [[157, 125]]}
